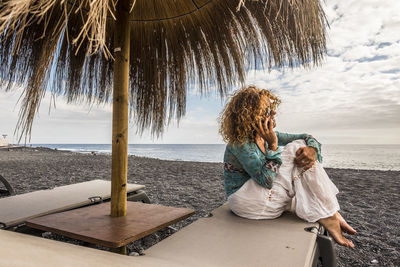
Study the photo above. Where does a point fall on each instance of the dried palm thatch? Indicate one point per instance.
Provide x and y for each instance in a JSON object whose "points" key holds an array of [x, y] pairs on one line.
{"points": [[66, 47]]}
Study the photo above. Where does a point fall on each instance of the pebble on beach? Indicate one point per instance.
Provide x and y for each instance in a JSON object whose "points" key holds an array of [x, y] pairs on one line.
{"points": [[369, 199]]}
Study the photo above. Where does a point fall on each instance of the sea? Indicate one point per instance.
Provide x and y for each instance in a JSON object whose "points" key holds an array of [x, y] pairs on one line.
{"points": [[367, 157]]}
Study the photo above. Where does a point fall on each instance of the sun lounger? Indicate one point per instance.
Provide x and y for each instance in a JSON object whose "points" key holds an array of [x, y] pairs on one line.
{"points": [[15, 210], [9, 190], [228, 240], [221, 240]]}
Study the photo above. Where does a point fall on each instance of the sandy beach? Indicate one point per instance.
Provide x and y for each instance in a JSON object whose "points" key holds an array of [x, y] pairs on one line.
{"points": [[369, 200]]}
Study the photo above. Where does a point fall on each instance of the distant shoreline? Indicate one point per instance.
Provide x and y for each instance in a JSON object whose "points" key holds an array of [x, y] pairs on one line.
{"points": [[360, 157]]}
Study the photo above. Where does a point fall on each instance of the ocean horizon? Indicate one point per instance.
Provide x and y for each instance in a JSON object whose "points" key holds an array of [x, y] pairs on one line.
{"points": [[344, 156]]}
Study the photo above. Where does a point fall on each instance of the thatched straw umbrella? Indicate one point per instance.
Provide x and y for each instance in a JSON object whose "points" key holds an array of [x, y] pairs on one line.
{"points": [[151, 50]]}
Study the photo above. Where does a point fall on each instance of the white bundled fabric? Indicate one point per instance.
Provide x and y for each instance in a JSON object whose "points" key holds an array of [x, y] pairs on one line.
{"points": [[252, 201], [313, 191]]}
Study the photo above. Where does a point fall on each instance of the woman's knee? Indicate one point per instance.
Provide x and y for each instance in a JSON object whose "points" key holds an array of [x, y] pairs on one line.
{"points": [[293, 146]]}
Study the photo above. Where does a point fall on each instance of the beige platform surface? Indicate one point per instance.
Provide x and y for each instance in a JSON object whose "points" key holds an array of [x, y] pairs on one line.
{"points": [[20, 250], [228, 240], [16, 209]]}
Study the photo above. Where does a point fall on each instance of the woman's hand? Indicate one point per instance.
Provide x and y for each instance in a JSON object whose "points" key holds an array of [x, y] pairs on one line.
{"points": [[266, 130], [305, 157]]}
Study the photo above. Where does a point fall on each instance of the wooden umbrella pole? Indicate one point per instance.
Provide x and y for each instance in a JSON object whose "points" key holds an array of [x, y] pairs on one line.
{"points": [[120, 110]]}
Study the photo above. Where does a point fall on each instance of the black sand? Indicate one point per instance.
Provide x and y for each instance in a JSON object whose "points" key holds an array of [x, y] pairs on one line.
{"points": [[369, 199]]}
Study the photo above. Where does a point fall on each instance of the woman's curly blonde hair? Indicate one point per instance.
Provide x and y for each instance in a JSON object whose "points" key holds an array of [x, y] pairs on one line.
{"points": [[244, 109]]}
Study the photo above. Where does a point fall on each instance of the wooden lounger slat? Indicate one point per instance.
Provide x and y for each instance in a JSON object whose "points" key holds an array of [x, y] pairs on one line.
{"points": [[94, 224]]}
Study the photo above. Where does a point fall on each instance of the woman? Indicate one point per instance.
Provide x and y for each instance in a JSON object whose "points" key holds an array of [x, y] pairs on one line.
{"points": [[262, 179]]}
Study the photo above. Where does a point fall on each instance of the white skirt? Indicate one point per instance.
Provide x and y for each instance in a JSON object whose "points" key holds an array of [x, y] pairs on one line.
{"points": [[310, 194]]}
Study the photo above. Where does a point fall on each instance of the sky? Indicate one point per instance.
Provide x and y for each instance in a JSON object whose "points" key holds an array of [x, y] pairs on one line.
{"points": [[353, 98]]}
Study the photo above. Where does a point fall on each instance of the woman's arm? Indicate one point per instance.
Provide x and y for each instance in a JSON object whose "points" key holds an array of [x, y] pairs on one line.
{"points": [[261, 168], [285, 138]]}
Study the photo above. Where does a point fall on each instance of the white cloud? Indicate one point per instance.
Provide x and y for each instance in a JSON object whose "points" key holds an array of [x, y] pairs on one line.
{"points": [[356, 93]]}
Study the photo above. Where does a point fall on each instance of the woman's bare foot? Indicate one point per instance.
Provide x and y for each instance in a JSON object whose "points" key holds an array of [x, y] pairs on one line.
{"points": [[332, 224], [345, 226]]}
